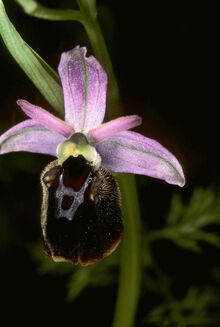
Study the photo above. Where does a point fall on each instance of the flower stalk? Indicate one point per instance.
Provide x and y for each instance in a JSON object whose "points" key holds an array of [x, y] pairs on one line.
{"points": [[99, 47], [130, 262], [130, 273]]}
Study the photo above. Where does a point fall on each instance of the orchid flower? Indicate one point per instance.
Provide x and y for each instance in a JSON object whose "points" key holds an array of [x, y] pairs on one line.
{"points": [[83, 134], [84, 85]]}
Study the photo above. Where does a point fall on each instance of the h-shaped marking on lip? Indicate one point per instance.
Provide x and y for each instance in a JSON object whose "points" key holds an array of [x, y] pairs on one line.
{"points": [[78, 198]]}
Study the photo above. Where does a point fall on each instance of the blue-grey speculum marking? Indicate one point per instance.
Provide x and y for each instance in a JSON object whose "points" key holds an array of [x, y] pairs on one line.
{"points": [[62, 190]]}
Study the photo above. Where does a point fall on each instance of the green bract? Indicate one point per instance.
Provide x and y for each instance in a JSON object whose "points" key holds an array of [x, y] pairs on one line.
{"points": [[41, 74]]}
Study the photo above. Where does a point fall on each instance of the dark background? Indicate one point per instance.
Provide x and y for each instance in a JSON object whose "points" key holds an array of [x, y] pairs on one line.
{"points": [[165, 60]]}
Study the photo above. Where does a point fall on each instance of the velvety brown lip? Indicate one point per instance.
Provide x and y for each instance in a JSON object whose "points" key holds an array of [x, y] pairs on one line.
{"points": [[95, 228]]}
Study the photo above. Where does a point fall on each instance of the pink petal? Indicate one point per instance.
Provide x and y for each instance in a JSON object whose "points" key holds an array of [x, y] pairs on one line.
{"points": [[113, 127], [84, 84], [46, 119], [30, 136], [130, 152]]}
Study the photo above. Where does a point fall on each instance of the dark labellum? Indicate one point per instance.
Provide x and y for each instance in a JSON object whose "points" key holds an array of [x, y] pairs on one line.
{"points": [[81, 215]]}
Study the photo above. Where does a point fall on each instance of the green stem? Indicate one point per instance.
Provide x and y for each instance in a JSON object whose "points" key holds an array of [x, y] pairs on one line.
{"points": [[130, 274], [33, 8], [129, 280], [101, 53], [100, 50]]}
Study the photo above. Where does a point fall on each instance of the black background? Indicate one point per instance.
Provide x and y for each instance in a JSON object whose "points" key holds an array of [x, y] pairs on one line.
{"points": [[166, 63]]}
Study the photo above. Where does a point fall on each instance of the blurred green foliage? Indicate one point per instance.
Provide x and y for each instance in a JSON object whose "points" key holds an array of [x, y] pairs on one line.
{"points": [[195, 309], [187, 223], [186, 226], [100, 274]]}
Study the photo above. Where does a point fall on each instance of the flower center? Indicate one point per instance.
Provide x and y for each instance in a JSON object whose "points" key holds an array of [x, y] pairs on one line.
{"points": [[76, 145]]}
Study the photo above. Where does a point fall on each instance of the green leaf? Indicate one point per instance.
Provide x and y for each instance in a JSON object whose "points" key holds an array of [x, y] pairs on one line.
{"points": [[32, 8], [186, 223], [99, 274], [79, 280], [40, 73], [45, 265], [192, 310], [176, 210], [187, 244], [89, 6]]}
